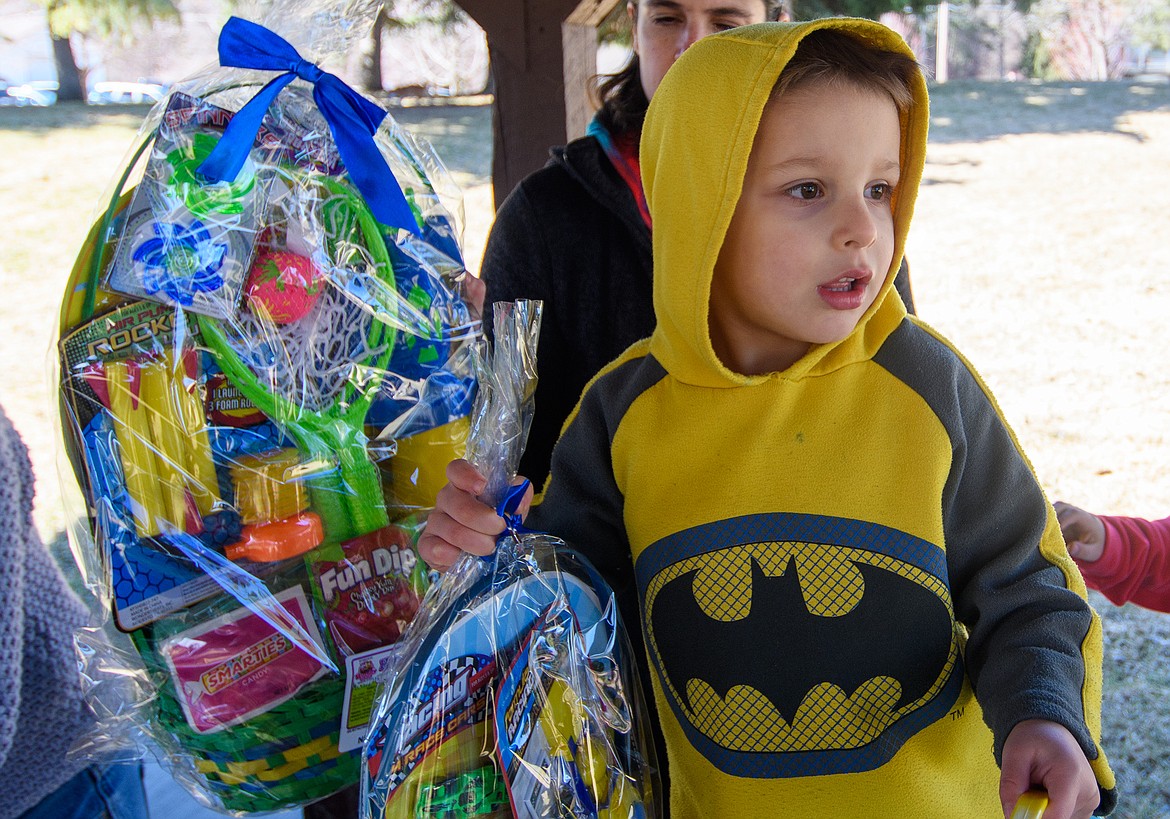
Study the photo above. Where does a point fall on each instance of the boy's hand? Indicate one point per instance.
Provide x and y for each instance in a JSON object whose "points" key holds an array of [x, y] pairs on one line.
{"points": [[460, 522], [1084, 533], [1042, 753]]}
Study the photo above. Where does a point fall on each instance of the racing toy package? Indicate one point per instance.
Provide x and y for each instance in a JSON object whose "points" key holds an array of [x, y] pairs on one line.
{"points": [[264, 366], [514, 693]]}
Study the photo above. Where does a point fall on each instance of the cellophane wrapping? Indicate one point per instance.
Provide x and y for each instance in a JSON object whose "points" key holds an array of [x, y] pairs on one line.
{"points": [[514, 692], [261, 383]]}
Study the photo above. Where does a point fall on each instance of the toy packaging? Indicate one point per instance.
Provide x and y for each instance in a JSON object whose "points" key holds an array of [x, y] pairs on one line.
{"points": [[264, 366], [513, 692]]}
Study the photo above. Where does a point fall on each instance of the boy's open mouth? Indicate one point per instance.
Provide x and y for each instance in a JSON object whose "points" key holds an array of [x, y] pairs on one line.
{"points": [[847, 283], [847, 291]]}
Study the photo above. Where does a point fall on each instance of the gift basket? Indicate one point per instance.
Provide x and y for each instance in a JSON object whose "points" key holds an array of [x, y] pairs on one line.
{"points": [[514, 693], [264, 367]]}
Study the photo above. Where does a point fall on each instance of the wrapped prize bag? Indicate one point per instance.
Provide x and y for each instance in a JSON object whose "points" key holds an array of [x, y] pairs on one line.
{"points": [[269, 302], [514, 693]]}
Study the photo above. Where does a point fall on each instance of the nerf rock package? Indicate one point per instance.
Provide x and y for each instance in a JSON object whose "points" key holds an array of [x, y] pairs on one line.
{"points": [[513, 694], [269, 304]]}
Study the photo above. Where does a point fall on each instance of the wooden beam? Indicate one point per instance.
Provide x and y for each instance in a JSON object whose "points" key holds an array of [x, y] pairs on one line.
{"points": [[592, 12], [579, 43]]}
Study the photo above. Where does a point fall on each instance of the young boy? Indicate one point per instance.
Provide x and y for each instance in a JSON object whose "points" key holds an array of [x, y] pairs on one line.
{"points": [[1126, 559], [853, 594]]}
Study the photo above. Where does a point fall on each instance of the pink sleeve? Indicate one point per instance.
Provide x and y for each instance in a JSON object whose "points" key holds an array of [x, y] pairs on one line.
{"points": [[1135, 565]]}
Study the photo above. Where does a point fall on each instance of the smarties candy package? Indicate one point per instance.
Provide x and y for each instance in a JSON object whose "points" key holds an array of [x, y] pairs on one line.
{"points": [[264, 367], [513, 694]]}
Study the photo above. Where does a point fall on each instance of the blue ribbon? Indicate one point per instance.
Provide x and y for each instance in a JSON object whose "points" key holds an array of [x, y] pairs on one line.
{"points": [[352, 119], [507, 509]]}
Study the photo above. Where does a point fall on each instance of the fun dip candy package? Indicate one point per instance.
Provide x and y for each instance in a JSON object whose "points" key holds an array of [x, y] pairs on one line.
{"points": [[513, 694], [269, 302]]}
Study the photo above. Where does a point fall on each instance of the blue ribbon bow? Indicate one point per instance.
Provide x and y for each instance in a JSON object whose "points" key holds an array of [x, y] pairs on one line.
{"points": [[508, 508], [352, 119]]}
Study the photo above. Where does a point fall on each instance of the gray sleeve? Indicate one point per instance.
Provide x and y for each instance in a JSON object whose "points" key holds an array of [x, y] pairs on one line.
{"points": [[1027, 629], [581, 502]]}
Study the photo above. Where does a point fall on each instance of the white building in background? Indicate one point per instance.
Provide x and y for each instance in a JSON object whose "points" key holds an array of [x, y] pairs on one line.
{"points": [[162, 54], [445, 63], [26, 53]]}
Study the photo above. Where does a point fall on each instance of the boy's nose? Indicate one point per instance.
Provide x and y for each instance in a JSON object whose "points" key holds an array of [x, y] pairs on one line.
{"points": [[857, 226]]}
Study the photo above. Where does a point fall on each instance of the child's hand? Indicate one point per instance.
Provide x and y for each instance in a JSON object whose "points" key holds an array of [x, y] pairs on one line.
{"points": [[460, 522], [1084, 533], [1042, 753], [474, 290]]}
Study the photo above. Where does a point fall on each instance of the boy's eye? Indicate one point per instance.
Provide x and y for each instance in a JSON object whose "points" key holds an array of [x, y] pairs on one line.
{"points": [[880, 191], [805, 191]]}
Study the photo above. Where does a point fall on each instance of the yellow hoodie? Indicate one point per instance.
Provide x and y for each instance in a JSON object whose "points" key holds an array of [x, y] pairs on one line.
{"points": [[829, 563]]}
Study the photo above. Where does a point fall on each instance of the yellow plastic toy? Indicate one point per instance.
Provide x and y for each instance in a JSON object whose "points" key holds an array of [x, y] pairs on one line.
{"points": [[1031, 805], [563, 722], [419, 468]]}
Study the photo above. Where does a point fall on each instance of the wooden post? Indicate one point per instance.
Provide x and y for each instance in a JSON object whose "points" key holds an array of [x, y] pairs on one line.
{"points": [[534, 47], [579, 38]]}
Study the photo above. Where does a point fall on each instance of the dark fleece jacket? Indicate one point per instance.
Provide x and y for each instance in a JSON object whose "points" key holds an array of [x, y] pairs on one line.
{"points": [[570, 235]]}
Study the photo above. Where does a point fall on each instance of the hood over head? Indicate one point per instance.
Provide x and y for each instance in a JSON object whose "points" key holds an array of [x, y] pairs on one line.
{"points": [[695, 146]]}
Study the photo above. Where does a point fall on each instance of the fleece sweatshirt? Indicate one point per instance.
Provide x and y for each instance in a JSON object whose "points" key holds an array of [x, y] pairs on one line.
{"points": [[849, 582]]}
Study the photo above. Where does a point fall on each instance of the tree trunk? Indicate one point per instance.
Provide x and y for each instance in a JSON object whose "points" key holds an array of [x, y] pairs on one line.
{"points": [[68, 76], [369, 72]]}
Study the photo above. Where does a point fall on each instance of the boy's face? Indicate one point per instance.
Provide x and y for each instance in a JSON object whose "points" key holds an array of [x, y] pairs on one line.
{"points": [[664, 29], [812, 237]]}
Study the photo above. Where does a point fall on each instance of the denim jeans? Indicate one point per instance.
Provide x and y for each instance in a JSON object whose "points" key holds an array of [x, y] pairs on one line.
{"points": [[101, 791]]}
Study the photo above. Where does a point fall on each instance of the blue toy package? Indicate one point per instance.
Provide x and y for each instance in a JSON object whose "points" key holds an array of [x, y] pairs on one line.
{"points": [[513, 693]]}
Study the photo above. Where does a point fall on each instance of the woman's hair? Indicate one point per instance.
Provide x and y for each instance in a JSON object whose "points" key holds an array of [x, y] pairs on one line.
{"points": [[621, 101], [838, 58]]}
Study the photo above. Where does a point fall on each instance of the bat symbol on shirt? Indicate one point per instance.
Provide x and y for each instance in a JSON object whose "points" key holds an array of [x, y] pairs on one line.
{"points": [[897, 629]]}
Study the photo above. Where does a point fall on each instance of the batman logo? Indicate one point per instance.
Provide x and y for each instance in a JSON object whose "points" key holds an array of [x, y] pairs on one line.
{"points": [[786, 647]]}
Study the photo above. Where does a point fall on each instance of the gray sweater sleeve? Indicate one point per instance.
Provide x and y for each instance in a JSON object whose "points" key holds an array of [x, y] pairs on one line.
{"points": [[1027, 626], [41, 708]]}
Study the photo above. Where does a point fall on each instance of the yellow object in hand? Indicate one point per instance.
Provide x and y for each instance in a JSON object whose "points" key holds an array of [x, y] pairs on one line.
{"points": [[1031, 805]]}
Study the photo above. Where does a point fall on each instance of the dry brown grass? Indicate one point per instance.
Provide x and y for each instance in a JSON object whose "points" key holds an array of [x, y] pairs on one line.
{"points": [[1038, 247]]}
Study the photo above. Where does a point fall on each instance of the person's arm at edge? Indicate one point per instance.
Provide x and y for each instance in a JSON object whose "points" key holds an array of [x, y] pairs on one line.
{"points": [[1134, 566]]}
